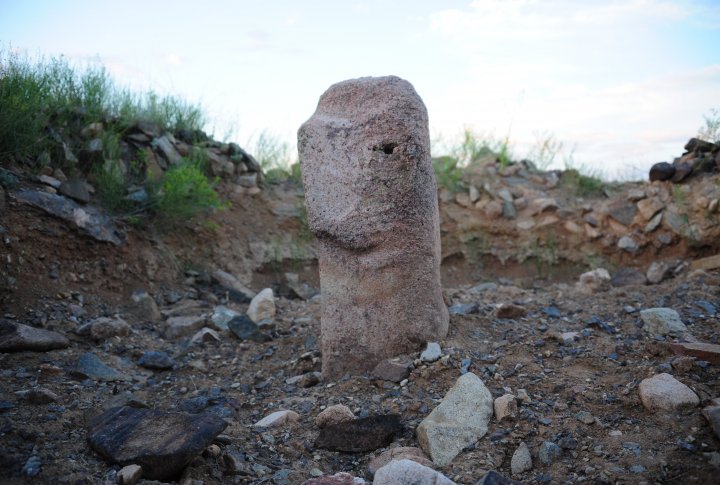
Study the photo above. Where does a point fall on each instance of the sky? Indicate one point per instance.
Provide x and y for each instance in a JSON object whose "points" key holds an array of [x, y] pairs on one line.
{"points": [[622, 84]]}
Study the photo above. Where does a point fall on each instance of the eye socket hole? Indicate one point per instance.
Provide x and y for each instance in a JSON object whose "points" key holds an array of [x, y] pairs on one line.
{"points": [[389, 148]]}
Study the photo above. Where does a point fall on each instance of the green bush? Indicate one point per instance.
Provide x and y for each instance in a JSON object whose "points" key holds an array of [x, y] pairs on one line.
{"points": [[448, 173], [184, 193]]}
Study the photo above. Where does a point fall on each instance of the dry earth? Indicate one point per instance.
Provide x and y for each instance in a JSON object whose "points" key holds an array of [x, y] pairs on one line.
{"points": [[581, 393]]}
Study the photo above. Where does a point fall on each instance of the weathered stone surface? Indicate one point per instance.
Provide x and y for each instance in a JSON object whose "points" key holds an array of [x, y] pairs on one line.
{"points": [[16, 337], [549, 452], [649, 208], [662, 321], [494, 478], [162, 443], [711, 262], [237, 291], [183, 326], [659, 271], [661, 171], [464, 309], [664, 392], [703, 351], [278, 418], [340, 478], [409, 472], [166, 147], [89, 366], [594, 281], [129, 475], [712, 414], [143, 307], [333, 415], [505, 407], [205, 335], [262, 306], [245, 329], [510, 310], [372, 202], [87, 219], [300, 289], [622, 211], [360, 435], [399, 453], [628, 277], [521, 460], [431, 353], [76, 189], [458, 421], [392, 370], [106, 327], [627, 243], [153, 359]]}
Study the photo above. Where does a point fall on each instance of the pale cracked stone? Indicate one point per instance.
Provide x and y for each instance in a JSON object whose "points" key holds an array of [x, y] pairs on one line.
{"points": [[521, 460], [262, 306], [505, 407], [334, 415], [399, 453], [458, 421], [594, 281], [662, 321], [409, 472], [278, 418], [663, 392], [371, 200]]}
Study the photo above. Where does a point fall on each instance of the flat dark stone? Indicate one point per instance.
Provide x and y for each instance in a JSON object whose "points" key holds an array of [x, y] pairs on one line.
{"points": [[682, 171], [661, 171], [494, 478], [360, 435], [76, 189], [246, 329], [15, 337], [162, 443], [389, 370], [156, 360], [623, 211], [88, 219], [90, 366], [698, 145]]}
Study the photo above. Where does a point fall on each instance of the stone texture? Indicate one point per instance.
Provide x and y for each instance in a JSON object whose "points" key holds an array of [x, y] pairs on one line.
{"points": [[262, 306], [628, 277], [458, 421], [521, 460], [371, 201], [594, 281], [712, 414], [340, 478], [106, 327], [392, 370], [662, 321], [509, 310], [183, 326], [659, 271], [237, 291], [205, 335], [665, 393], [409, 472], [245, 329], [549, 452], [399, 453], [431, 353], [360, 435], [89, 366], [505, 407], [278, 418], [622, 211], [649, 208], [129, 475], [155, 360], [661, 171], [16, 337], [75, 189], [494, 478], [703, 351], [300, 289], [333, 415], [143, 307], [162, 443]]}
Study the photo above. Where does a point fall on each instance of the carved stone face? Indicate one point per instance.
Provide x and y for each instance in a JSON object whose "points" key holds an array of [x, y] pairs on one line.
{"points": [[365, 160]]}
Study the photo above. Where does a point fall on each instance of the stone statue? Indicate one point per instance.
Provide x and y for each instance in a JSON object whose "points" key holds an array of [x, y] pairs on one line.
{"points": [[372, 203]]}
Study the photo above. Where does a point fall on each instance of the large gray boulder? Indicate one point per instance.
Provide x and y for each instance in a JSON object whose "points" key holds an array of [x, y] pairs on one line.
{"points": [[371, 201], [459, 420]]}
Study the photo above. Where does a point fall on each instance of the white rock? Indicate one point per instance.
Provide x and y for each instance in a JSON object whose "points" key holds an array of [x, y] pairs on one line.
{"points": [[458, 421], [431, 353], [594, 281], [474, 194], [222, 315], [129, 475], [665, 393], [278, 418], [205, 335], [662, 321], [521, 460], [262, 307], [409, 472]]}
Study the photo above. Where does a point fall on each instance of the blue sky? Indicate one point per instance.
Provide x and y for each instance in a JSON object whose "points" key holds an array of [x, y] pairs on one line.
{"points": [[622, 83]]}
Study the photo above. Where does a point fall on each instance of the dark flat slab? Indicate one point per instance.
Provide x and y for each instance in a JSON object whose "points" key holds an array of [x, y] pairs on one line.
{"points": [[360, 435]]}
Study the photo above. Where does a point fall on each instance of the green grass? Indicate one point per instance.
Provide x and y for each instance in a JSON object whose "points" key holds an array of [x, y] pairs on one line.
{"points": [[448, 173], [274, 156], [44, 100], [583, 182]]}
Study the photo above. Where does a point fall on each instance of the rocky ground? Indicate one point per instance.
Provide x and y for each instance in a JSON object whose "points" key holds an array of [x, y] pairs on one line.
{"points": [[165, 324]]}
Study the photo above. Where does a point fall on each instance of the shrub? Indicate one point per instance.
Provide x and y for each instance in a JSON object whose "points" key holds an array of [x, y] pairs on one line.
{"points": [[448, 173], [711, 131]]}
